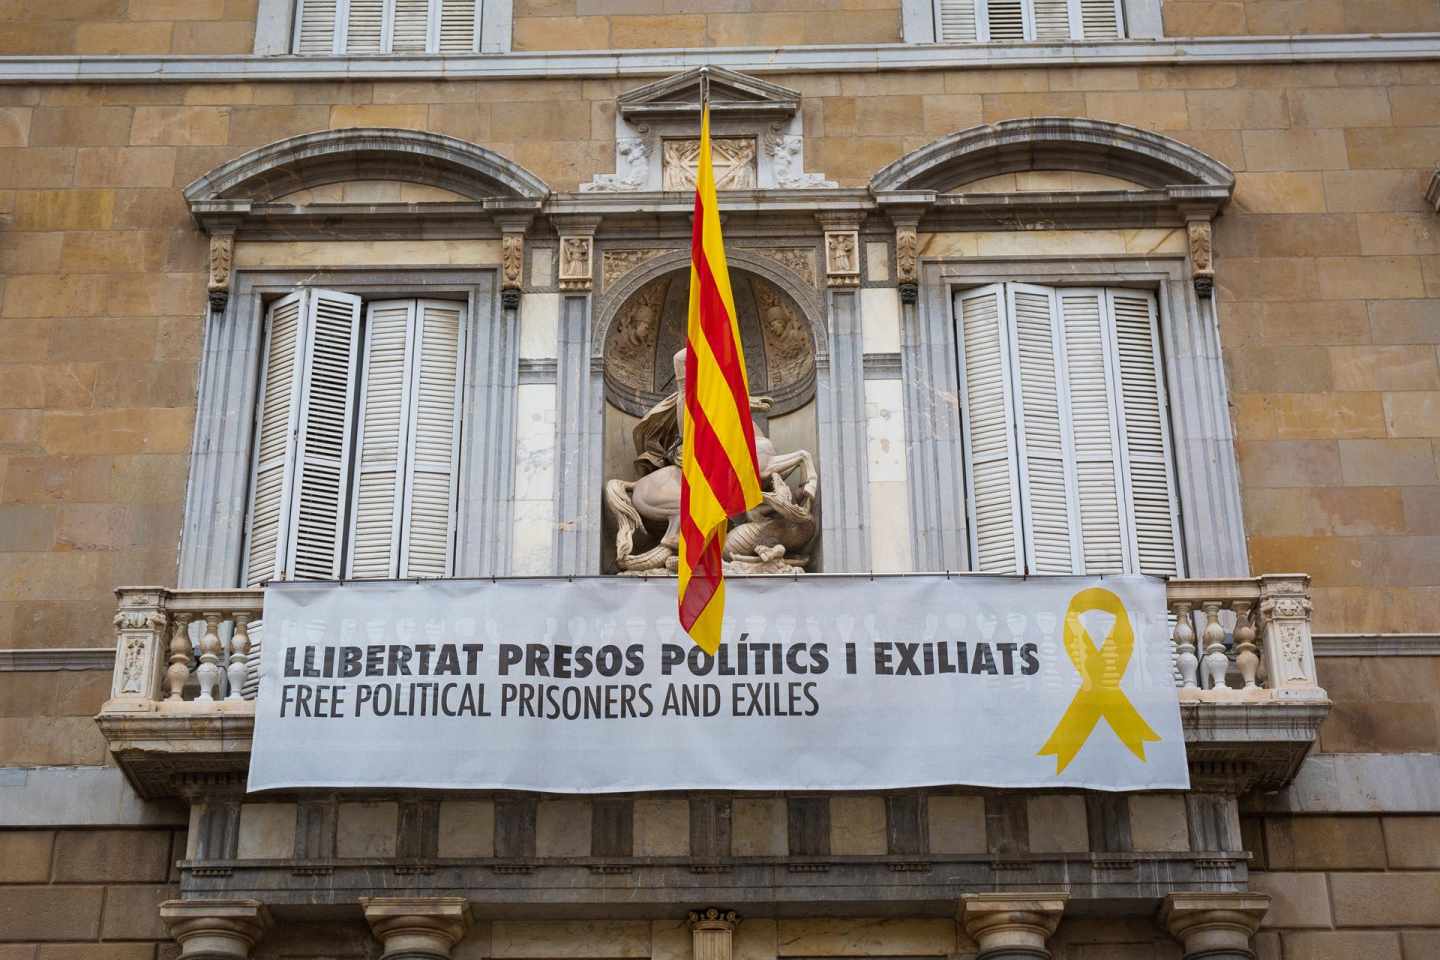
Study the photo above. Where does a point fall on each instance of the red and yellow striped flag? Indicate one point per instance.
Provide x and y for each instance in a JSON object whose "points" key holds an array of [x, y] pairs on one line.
{"points": [[720, 477]]}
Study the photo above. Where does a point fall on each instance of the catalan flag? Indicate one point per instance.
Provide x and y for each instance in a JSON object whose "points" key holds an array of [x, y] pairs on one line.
{"points": [[719, 474]]}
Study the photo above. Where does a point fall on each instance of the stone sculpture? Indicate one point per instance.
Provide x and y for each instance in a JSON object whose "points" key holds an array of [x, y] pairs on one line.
{"points": [[772, 538]]}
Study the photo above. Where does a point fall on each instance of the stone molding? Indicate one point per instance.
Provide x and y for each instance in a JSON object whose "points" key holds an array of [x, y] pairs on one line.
{"points": [[836, 58], [45, 659], [417, 927], [1376, 644], [215, 929], [1011, 925], [1215, 926]]}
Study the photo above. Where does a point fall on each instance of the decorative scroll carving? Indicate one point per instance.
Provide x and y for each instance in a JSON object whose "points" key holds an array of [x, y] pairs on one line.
{"points": [[575, 262], [632, 169], [842, 258], [614, 264], [222, 252], [907, 263], [512, 260], [732, 158], [1201, 263], [785, 153]]}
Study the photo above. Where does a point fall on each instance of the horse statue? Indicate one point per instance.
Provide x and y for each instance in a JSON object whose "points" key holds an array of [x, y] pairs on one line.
{"points": [[772, 537]]}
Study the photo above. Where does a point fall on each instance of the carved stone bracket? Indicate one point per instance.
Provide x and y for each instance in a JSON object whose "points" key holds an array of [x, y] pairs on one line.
{"points": [[907, 262], [512, 268], [1011, 925], [417, 928], [713, 931], [1216, 926], [215, 929], [1202, 264], [222, 255]]}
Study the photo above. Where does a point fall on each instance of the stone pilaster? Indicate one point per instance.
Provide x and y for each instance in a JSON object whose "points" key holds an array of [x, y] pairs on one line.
{"points": [[1012, 926], [1214, 926], [713, 931], [215, 929], [417, 928]]}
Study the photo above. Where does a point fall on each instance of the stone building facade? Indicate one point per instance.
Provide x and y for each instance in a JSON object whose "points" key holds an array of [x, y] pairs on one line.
{"points": [[1257, 174]]}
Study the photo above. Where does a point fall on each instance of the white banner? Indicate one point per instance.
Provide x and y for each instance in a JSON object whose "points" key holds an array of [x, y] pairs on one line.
{"points": [[822, 683]]}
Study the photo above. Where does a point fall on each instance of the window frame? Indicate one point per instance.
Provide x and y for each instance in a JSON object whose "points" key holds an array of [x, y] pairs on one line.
{"points": [[1140, 20], [277, 22]]}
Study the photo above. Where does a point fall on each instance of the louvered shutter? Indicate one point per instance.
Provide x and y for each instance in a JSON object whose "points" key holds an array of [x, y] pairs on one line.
{"points": [[315, 27], [379, 494], [275, 429], [1099, 19], [955, 21], [1051, 19], [1095, 442], [410, 26], [434, 431], [1145, 431], [365, 26], [458, 22], [323, 443], [1004, 20], [1042, 431], [989, 430]]}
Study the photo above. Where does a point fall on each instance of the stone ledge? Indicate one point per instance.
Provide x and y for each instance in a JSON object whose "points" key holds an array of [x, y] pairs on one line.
{"points": [[57, 658], [836, 58], [1381, 644]]}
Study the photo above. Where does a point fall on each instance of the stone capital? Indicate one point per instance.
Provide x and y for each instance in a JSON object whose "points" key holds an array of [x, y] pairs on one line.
{"points": [[1011, 926], [417, 927], [714, 918], [215, 929], [1216, 926]]}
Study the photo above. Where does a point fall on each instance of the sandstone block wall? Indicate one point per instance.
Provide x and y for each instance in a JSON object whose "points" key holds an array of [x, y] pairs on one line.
{"points": [[1346, 887], [1268, 18], [72, 894], [127, 26]]}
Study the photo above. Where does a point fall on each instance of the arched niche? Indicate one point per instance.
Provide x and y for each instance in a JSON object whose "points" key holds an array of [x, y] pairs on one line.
{"points": [[315, 160], [1146, 159]]}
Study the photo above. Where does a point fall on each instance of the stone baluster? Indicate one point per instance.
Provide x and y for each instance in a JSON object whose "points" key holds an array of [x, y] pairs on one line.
{"points": [[1185, 659], [417, 928], [1216, 663], [239, 650], [1011, 926], [211, 653], [178, 673], [215, 929], [1286, 648], [713, 932], [1214, 926], [1247, 656]]}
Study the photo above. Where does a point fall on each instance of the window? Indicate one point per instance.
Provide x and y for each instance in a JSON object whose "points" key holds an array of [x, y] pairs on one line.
{"points": [[324, 27], [1067, 447], [356, 446], [1001, 20]]}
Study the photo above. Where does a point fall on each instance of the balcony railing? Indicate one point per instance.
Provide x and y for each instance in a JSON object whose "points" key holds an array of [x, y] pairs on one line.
{"points": [[184, 678]]}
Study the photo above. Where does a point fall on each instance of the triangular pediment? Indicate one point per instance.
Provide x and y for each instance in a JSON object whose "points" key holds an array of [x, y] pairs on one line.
{"points": [[730, 93]]}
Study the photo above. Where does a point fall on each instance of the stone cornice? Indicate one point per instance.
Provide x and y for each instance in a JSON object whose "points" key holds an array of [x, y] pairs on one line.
{"points": [[835, 58], [1377, 644]]}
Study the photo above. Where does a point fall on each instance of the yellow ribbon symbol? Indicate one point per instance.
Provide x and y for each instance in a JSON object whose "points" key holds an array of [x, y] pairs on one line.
{"points": [[1100, 671]]}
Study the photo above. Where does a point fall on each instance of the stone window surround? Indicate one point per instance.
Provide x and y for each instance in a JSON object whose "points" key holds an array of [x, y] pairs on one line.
{"points": [[275, 27], [217, 494], [1207, 474]]}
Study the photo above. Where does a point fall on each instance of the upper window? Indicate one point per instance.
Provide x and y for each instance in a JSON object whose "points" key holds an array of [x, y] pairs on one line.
{"points": [[324, 27], [1000, 20], [1067, 446], [357, 439]]}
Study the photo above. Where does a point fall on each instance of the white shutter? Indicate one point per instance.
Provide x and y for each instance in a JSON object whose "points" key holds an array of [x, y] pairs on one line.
{"points": [[955, 21], [365, 26], [1004, 20], [989, 430], [410, 26], [1051, 19], [274, 455], [1099, 19], [1145, 431], [434, 448], [458, 22], [1042, 430], [323, 444], [315, 27], [379, 494], [1089, 374]]}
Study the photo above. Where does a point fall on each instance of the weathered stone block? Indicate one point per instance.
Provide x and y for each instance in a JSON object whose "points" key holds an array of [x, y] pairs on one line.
{"points": [[132, 911], [570, 939], [857, 826], [1385, 899], [1158, 822], [957, 824], [25, 855], [662, 827], [1321, 843], [122, 37], [180, 126], [865, 937], [99, 855], [758, 827], [1342, 945], [1412, 842], [1296, 899], [267, 831], [1057, 824], [51, 913], [366, 830], [1385, 462], [467, 828], [562, 828]]}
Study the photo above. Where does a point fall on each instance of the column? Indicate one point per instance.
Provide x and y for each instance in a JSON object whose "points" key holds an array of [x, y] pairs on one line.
{"points": [[1214, 926], [713, 931], [215, 929], [417, 928], [1012, 926], [578, 413]]}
